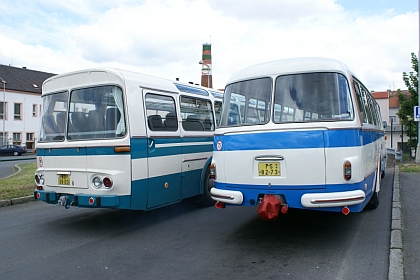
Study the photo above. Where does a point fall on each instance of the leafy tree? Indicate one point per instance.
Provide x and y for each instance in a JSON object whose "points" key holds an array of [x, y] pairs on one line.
{"points": [[407, 102]]}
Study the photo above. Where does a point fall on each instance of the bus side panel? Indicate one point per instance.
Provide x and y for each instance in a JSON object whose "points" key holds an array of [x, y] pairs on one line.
{"points": [[164, 170], [139, 173], [139, 194], [195, 153]]}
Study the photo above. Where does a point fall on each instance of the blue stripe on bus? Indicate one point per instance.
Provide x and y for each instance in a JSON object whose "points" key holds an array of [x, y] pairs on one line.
{"points": [[80, 151], [305, 139], [139, 148]]}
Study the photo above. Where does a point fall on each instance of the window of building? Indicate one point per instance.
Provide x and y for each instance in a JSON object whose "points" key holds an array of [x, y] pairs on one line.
{"points": [[30, 137], [17, 113], [3, 139], [17, 138], [34, 110], [3, 110]]}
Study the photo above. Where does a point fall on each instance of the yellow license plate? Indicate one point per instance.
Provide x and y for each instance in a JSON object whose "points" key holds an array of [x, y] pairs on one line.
{"points": [[63, 179], [269, 168]]}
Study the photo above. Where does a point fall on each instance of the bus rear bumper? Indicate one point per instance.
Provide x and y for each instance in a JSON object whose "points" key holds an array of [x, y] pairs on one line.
{"points": [[226, 196], [81, 200], [317, 200]]}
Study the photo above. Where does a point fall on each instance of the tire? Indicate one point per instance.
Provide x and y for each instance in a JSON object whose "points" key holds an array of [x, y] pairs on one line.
{"points": [[374, 200], [15, 154], [205, 198]]}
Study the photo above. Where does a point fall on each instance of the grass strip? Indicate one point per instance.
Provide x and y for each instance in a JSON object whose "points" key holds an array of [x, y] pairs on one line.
{"points": [[20, 184]]}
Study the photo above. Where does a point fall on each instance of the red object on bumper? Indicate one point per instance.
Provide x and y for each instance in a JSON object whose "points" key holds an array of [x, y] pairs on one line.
{"points": [[269, 208]]}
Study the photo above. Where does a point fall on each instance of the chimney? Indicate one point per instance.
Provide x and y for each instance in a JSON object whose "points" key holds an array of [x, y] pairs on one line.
{"points": [[206, 67]]}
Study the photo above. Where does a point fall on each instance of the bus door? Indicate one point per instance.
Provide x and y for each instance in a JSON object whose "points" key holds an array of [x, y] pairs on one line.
{"points": [[164, 149]]}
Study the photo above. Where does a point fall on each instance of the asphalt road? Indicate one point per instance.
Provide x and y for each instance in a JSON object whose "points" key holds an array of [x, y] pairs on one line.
{"points": [[7, 163], [185, 241]]}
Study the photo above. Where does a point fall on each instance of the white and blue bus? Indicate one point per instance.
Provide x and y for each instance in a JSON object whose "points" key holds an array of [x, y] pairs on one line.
{"points": [[117, 139], [304, 132]]}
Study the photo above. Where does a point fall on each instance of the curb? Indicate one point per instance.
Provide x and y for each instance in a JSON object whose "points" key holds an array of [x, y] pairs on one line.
{"points": [[16, 201], [396, 265]]}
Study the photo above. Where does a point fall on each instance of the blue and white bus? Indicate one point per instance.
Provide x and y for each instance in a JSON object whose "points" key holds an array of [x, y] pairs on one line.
{"points": [[303, 133], [117, 139]]}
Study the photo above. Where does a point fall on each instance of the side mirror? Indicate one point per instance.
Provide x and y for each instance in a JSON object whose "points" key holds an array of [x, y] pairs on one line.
{"points": [[385, 124]]}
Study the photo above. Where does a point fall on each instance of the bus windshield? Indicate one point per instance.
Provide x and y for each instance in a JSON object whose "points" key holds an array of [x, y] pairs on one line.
{"points": [[297, 98], [89, 113]]}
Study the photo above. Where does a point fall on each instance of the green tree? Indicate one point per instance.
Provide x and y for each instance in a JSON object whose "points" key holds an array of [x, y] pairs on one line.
{"points": [[407, 102]]}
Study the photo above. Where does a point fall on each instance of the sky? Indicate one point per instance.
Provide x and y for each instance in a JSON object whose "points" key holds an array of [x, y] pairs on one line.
{"points": [[164, 38]]}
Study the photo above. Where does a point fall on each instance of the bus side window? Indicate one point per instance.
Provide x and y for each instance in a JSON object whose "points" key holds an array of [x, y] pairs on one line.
{"points": [[160, 112], [360, 102], [197, 114]]}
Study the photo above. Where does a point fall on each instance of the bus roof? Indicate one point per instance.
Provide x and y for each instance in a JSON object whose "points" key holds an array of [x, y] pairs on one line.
{"points": [[105, 75], [289, 66]]}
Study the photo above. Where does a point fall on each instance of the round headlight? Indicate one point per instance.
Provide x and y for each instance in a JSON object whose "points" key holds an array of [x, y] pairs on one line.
{"points": [[96, 182], [41, 180]]}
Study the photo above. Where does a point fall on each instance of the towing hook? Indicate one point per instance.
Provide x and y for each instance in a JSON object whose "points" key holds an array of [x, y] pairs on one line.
{"points": [[64, 201]]}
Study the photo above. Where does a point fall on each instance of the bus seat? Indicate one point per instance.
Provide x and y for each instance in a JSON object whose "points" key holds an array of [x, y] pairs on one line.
{"points": [[155, 122], [192, 124], [171, 123], [78, 121]]}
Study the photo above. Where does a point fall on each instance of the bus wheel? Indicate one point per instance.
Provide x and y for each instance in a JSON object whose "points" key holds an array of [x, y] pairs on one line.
{"points": [[205, 198], [374, 200], [383, 174]]}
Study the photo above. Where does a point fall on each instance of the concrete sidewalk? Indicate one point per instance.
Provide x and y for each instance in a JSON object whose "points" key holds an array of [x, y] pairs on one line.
{"points": [[410, 209]]}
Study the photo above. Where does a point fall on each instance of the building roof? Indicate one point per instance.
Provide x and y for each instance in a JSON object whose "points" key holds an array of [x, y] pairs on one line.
{"points": [[23, 79], [380, 94]]}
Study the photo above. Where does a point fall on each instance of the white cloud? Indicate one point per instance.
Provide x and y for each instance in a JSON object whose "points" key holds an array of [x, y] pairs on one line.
{"points": [[164, 38]]}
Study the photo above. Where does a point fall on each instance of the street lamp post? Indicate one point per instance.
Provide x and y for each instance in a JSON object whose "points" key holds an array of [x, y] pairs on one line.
{"points": [[4, 108], [208, 72], [417, 160]]}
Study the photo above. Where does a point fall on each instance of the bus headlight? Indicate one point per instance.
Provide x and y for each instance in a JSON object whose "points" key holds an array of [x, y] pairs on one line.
{"points": [[96, 182]]}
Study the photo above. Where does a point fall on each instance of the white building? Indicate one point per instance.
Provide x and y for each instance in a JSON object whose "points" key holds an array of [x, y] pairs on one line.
{"points": [[389, 103], [20, 105]]}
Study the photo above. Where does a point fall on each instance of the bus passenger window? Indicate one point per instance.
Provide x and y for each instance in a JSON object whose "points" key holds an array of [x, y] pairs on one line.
{"points": [[161, 114], [197, 114]]}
